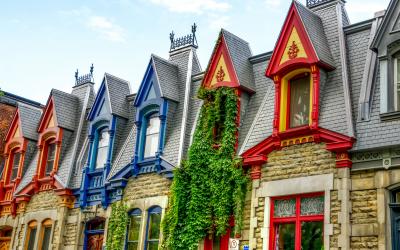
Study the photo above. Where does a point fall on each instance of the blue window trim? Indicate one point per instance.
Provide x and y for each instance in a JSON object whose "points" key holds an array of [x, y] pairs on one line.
{"points": [[152, 210], [133, 212], [90, 232]]}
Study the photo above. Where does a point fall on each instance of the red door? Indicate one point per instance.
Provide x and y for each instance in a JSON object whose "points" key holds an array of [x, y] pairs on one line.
{"points": [[95, 242]]}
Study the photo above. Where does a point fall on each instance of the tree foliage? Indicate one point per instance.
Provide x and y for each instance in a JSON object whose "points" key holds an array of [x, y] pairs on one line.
{"points": [[209, 187]]}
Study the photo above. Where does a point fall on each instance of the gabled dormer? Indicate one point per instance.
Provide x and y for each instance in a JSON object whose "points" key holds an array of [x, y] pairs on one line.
{"points": [[159, 89], [20, 146], [387, 45], [107, 117]]}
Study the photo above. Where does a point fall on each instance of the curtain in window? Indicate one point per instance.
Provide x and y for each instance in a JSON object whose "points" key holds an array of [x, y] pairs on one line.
{"points": [[15, 165], [299, 101], [51, 151], [102, 148], [152, 136]]}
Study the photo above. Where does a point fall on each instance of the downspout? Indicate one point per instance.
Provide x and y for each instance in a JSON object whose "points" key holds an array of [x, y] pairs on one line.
{"points": [[186, 105]]}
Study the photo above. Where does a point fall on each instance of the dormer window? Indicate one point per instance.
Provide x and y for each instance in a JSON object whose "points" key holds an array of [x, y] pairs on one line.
{"points": [[152, 136], [299, 100], [102, 148], [51, 153], [16, 156], [396, 81]]}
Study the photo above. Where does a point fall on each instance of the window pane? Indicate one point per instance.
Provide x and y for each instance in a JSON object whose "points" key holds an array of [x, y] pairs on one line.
{"points": [[312, 205], [284, 208], [16, 159], [151, 145], [132, 246], [153, 125], [46, 238], [101, 157], [312, 235], [134, 227], [299, 101], [104, 138], [51, 150], [32, 236], [284, 236], [397, 82], [154, 226], [102, 148], [152, 245]]}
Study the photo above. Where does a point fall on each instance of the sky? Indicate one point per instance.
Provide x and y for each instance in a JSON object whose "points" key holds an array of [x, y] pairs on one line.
{"points": [[43, 42]]}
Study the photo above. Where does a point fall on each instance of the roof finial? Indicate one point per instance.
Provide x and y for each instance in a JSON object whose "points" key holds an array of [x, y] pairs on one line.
{"points": [[87, 78], [76, 74], [183, 41], [91, 69]]}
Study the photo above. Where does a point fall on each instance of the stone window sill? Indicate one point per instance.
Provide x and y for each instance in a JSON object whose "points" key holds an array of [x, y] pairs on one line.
{"points": [[390, 116]]}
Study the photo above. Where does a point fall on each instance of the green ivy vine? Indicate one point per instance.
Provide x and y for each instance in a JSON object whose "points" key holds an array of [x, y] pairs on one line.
{"points": [[117, 225], [210, 186]]}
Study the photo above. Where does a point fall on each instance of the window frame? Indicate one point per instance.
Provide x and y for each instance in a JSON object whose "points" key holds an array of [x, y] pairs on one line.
{"points": [[147, 118], [45, 225], [396, 82], [150, 211], [32, 225], [297, 219], [12, 165], [134, 212]]}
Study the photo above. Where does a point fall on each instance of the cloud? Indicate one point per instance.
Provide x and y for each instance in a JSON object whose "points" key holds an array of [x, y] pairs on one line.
{"points": [[218, 22], [107, 28], [273, 3], [193, 6]]}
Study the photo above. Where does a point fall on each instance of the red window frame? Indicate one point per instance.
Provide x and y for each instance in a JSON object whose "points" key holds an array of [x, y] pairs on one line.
{"points": [[297, 219], [288, 101]]}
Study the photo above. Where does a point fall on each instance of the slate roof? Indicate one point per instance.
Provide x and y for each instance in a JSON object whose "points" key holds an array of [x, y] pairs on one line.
{"points": [[117, 89], [167, 77], [29, 117], [66, 107], [240, 52], [315, 30]]}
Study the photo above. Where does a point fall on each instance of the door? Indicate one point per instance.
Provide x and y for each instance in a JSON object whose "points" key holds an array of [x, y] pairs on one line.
{"points": [[95, 242]]}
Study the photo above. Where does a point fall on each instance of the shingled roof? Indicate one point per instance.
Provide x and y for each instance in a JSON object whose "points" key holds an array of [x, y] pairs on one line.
{"points": [[316, 32], [167, 77], [29, 117], [65, 106], [117, 89]]}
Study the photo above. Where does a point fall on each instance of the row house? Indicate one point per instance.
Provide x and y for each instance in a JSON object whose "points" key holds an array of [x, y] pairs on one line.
{"points": [[317, 131]]}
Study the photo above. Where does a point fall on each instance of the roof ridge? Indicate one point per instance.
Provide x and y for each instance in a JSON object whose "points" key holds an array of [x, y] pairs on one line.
{"points": [[116, 77], [164, 60]]}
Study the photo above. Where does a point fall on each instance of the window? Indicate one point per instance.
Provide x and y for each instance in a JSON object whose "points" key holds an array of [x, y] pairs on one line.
{"points": [[396, 85], [31, 235], [153, 228], [45, 234], [152, 136], [15, 165], [395, 218], [297, 222], [51, 153], [299, 98], [102, 148], [134, 229]]}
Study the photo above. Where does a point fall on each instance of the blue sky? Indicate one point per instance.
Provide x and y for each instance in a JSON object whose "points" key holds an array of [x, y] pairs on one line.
{"points": [[43, 42]]}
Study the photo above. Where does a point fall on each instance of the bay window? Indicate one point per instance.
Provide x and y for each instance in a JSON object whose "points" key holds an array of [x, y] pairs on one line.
{"points": [[134, 226], [102, 148], [151, 136], [299, 100], [297, 222]]}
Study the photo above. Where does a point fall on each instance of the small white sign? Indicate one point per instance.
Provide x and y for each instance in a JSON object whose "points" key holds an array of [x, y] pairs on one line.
{"points": [[233, 244]]}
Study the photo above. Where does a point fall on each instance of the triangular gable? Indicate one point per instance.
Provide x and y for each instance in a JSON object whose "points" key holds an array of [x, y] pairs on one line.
{"points": [[390, 24], [220, 71], [101, 104], [14, 130], [150, 87], [293, 45], [49, 118]]}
